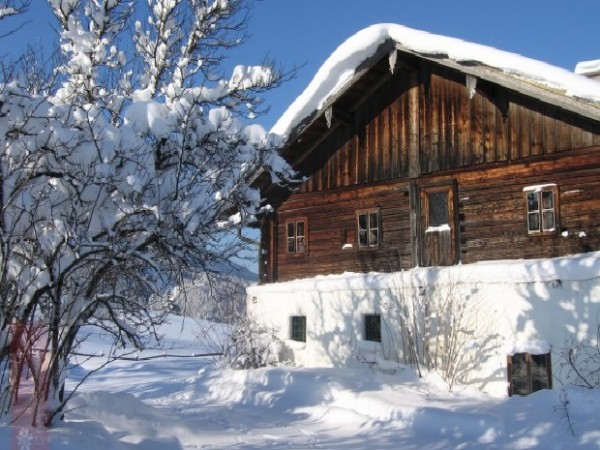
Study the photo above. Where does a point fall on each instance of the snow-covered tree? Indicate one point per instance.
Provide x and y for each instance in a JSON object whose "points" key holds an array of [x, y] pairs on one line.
{"points": [[136, 168]]}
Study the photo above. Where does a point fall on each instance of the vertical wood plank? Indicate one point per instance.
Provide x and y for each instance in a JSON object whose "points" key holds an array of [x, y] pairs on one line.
{"points": [[374, 151], [394, 129], [464, 136], [384, 130], [476, 131], [565, 132], [502, 141], [413, 126], [431, 148], [415, 223], [489, 130], [404, 121], [549, 133], [537, 132], [514, 131]]}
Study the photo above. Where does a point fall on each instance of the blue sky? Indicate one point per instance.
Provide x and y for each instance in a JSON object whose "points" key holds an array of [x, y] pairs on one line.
{"points": [[306, 32]]}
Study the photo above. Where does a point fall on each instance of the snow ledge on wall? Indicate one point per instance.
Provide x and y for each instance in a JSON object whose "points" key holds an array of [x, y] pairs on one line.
{"points": [[580, 267]]}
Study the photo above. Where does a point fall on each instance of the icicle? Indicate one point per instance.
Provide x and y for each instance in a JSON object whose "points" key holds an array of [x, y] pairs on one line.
{"points": [[392, 59], [471, 86], [329, 116]]}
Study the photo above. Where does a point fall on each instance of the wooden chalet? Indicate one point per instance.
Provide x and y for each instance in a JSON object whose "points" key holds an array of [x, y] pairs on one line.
{"points": [[421, 160]]}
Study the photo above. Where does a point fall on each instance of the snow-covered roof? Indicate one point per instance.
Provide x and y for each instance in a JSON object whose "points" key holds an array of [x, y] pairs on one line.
{"points": [[588, 68], [336, 74]]}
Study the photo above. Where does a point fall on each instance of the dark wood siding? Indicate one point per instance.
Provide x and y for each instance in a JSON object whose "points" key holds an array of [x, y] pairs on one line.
{"points": [[490, 209], [491, 205], [332, 224], [423, 125], [447, 126]]}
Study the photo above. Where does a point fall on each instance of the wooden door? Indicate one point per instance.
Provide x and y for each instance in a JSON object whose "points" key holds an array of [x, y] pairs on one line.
{"points": [[438, 231]]}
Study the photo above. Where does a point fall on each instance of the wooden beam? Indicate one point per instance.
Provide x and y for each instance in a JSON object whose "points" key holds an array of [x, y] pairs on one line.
{"points": [[415, 223], [414, 144], [297, 161], [346, 118]]}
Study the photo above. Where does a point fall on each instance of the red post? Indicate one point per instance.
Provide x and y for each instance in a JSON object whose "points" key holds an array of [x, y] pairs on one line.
{"points": [[29, 359]]}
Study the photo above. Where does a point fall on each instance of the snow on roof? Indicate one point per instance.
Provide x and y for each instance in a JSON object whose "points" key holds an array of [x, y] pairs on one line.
{"points": [[581, 267], [340, 67], [588, 67]]}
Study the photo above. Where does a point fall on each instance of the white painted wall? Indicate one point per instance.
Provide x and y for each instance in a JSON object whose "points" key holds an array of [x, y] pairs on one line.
{"points": [[510, 306]]}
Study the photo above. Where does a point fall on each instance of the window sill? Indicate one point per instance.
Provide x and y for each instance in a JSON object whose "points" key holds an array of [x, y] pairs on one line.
{"points": [[552, 232], [370, 248]]}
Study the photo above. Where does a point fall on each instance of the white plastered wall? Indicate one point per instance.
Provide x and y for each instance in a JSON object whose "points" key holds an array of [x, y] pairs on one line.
{"points": [[502, 307]]}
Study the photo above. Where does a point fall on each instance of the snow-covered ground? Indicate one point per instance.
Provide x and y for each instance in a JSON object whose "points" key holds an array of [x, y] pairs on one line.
{"points": [[196, 403]]}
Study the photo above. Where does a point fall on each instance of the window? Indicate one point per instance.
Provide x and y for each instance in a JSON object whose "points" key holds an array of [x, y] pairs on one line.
{"points": [[373, 327], [438, 214], [540, 203], [296, 237], [529, 373], [437, 209], [298, 328], [369, 229]]}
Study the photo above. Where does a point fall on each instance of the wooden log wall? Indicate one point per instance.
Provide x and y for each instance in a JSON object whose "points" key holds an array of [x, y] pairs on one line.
{"points": [[491, 214], [429, 115], [332, 223], [423, 125], [492, 208]]}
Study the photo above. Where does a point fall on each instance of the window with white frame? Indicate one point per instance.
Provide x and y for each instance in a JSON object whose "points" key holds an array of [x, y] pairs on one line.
{"points": [[297, 242], [369, 228], [541, 204]]}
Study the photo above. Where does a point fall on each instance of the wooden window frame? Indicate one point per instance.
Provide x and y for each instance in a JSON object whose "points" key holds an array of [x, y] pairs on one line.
{"points": [[530, 379], [427, 193], [298, 328], [368, 213], [296, 237], [436, 243], [540, 211], [372, 327]]}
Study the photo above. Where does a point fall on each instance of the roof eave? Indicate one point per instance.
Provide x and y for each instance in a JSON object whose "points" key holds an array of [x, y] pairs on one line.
{"points": [[384, 49]]}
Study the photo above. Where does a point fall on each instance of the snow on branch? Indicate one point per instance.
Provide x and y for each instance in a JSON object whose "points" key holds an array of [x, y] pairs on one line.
{"points": [[134, 171]]}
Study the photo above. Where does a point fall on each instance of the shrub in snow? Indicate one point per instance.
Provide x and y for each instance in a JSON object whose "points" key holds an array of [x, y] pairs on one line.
{"points": [[580, 362], [251, 346], [439, 325]]}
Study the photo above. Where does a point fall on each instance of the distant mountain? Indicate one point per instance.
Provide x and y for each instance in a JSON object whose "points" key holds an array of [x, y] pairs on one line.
{"points": [[237, 271], [219, 297]]}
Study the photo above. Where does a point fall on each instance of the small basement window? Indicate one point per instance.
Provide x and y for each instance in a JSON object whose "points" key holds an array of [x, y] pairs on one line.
{"points": [[297, 242], [298, 328], [369, 228], [528, 373], [541, 208], [373, 327]]}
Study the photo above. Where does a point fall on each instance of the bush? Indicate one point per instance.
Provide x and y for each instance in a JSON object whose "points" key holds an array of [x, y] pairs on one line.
{"points": [[252, 346]]}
